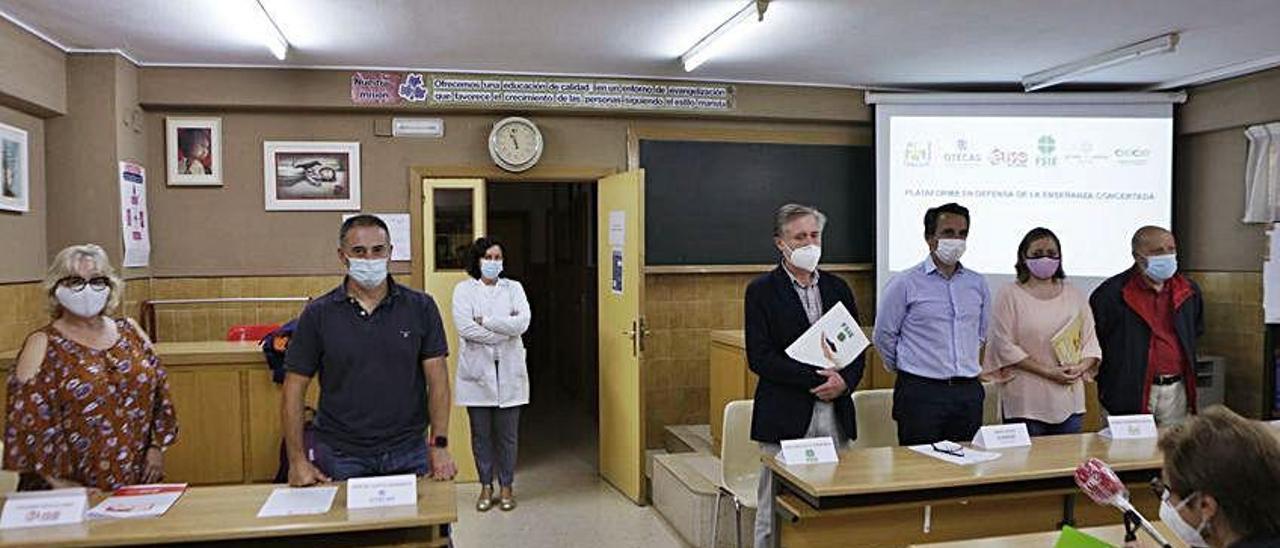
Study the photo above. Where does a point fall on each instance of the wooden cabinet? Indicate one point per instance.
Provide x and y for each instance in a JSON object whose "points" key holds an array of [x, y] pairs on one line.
{"points": [[264, 431], [211, 425], [228, 412]]}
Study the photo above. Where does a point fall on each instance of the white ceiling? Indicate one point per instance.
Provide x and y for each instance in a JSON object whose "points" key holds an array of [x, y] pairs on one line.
{"points": [[954, 44]]}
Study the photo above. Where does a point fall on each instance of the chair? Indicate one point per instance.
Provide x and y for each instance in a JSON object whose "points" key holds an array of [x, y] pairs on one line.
{"points": [[874, 412], [739, 466], [991, 410], [250, 332]]}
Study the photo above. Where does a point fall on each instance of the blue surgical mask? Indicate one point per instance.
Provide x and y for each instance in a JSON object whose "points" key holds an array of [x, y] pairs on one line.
{"points": [[369, 273], [490, 269], [1162, 267]]}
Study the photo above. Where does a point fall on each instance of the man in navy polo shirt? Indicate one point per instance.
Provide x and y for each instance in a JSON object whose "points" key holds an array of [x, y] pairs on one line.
{"points": [[380, 350]]}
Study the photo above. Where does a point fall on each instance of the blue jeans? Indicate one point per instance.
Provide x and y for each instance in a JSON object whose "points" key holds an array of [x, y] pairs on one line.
{"points": [[406, 458], [1073, 425]]}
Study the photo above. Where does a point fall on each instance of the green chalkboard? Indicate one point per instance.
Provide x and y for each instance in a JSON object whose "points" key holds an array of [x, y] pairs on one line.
{"points": [[711, 203]]}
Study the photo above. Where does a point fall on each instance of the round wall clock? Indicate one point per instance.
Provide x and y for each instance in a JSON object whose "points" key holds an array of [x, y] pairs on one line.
{"points": [[515, 144]]}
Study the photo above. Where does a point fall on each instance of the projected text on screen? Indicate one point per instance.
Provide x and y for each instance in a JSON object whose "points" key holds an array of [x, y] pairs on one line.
{"points": [[1091, 180]]}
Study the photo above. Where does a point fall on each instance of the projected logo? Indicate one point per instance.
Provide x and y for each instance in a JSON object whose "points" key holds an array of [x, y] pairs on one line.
{"points": [[918, 154], [1008, 158], [961, 155], [1083, 154], [1132, 156], [1045, 145]]}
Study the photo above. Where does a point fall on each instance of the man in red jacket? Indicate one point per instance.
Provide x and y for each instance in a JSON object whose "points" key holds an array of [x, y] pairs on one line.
{"points": [[1148, 319]]}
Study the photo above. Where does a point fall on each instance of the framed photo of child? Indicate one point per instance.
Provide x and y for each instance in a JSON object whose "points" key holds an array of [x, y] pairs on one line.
{"points": [[193, 151]]}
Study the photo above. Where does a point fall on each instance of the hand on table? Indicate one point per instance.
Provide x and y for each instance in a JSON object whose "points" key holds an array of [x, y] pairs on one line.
{"points": [[153, 471], [303, 473]]}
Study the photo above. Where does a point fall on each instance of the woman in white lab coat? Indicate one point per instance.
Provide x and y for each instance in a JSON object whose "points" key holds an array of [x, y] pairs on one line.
{"points": [[491, 313]]}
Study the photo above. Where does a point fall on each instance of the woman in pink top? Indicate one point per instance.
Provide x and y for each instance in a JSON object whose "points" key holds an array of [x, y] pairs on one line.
{"points": [[1037, 388]]}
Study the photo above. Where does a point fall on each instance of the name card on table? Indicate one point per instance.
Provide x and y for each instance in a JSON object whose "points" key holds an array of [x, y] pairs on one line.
{"points": [[1130, 427], [381, 491], [41, 508], [1002, 436], [809, 451]]}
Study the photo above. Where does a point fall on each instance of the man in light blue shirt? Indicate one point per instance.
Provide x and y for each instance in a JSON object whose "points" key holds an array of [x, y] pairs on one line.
{"points": [[931, 323]]}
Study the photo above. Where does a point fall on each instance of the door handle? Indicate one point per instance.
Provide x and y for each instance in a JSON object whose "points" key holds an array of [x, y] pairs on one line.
{"points": [[637, 333]]}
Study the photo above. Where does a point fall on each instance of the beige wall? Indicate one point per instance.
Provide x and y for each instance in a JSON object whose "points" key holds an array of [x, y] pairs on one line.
{"points": [[236, 237], [97, 132], [84, 196], [1209, 171], [23, 244], [33, 74], [1219, 251], [33, 86]]}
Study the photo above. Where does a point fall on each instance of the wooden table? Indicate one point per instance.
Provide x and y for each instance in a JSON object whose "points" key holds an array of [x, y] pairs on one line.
{"points": [[892, 496], [227, 515], [228, 411], [1111, 534]]}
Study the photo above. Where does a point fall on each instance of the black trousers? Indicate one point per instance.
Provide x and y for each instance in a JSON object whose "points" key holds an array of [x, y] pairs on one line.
{"points": [[930, 410]]}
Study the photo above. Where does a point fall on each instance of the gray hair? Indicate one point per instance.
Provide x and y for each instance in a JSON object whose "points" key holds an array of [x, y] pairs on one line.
{"points": [[791, 212], [64, 266]]}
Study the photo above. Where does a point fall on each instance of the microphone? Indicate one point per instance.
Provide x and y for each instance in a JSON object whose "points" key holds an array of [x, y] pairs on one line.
{"points": [[1101, 484]]}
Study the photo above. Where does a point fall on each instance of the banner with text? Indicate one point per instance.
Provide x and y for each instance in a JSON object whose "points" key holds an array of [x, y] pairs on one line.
{"points": [[479, 90]]}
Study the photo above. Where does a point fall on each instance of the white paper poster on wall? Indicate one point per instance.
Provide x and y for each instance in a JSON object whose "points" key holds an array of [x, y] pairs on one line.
{"points": [[399, 226], [134, 220]]}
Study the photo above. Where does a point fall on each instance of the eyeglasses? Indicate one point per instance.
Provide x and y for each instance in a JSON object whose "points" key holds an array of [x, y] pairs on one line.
{"points": [[948, 448], [77, 284], [1160, 488]]}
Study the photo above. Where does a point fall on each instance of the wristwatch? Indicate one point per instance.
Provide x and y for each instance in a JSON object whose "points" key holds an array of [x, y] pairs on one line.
{"points": [[439, 442]]}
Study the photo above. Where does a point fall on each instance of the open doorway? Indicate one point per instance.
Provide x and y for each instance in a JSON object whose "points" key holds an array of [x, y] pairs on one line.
{"points": [[549, 230]]}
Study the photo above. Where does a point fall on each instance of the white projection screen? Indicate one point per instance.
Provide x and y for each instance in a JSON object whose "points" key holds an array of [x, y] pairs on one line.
{"points": [[1092, 172]]}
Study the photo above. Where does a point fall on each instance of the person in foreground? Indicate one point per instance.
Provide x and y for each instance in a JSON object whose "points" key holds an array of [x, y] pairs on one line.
{"points": [[1037, 388], [88, 400], [380, 349], [1220, 486], [491, 312], [793, 399]]}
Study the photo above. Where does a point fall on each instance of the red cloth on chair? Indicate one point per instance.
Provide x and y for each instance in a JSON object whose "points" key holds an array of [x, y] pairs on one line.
{"points": [[253, 333]]}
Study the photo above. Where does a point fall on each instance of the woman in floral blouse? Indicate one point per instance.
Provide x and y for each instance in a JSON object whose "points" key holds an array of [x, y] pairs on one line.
{"points": [[88, 400]]}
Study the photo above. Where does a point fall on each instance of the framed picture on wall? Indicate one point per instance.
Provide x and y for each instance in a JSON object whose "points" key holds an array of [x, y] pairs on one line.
{"points": [[193, 151], [311, 176], [15, 189]]}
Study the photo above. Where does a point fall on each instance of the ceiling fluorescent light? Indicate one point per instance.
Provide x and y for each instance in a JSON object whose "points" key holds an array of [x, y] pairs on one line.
{"points": [[1065, 73], [1221, 73], [750, 14], [271, 35]]}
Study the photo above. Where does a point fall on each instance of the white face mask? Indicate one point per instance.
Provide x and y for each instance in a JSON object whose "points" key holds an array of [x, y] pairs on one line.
{"points": [[86, 303], [367, 272], [950, 250], [806, 258], [1170, 516]]}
